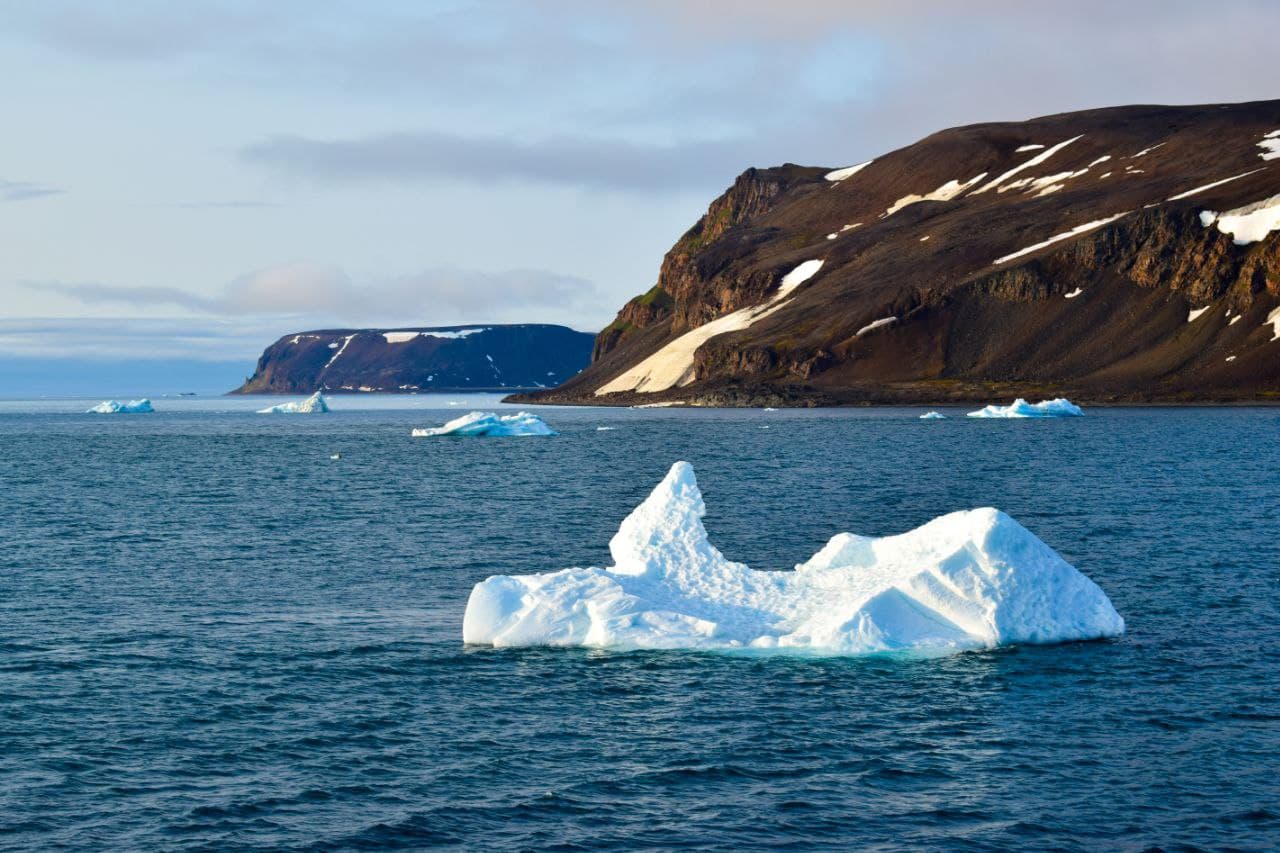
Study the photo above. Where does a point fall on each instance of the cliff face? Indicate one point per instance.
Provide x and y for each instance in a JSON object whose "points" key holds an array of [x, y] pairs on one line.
{"points": [[1067, 254], [420, 359]]}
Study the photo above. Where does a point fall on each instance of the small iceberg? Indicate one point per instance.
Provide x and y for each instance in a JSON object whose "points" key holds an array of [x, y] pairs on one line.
{"points": [[967, 580], [115, 407], [1060, 407], [933, 416], [489, 424], [314, 404]]}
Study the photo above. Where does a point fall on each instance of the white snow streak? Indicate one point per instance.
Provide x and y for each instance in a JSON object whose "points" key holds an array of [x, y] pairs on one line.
{"points": [[1073, 294], [946, 192], [1028, 148], [340, 351], [673, 364], [399, 337], [1195, 313], [1190, 193], [847, 172], [1034, 161], [1079, 229], [883, 321], [1273, 320], [1146, 151]]}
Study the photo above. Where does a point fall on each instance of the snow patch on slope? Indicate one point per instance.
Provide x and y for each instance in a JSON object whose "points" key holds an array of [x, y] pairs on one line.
{"points": [[1247, 224], [877, 324], [1079, 229], [1034, 161], [673, 364], [946, 192], [1192, 192], [966, 580], [847, 171]]}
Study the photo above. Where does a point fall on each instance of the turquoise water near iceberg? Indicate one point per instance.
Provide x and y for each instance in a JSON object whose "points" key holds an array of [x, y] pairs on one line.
{"points": [[213, 635]]}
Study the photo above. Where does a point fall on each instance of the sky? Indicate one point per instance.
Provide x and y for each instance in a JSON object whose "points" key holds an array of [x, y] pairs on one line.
{"points": [[192, 180]]}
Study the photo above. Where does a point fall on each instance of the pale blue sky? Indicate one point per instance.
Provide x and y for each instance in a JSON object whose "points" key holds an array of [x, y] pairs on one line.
{"points": [[196, 178]]}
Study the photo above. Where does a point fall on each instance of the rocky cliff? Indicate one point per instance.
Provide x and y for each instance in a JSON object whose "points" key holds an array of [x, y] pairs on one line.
{"points": [[1124, 254], [408, 360]]}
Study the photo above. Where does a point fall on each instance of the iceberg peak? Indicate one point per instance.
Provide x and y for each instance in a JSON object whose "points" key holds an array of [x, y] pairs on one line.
{"points": [[966, 580], [665, 530]]}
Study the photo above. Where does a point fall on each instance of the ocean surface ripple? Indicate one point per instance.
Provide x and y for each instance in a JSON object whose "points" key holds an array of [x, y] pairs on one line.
{"points": [[213, 635]]}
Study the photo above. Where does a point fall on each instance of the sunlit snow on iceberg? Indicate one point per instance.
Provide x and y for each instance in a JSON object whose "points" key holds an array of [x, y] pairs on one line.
{"points": [[315, 404], [933, 416], [489, 424], [966, 580], [1060, 407], [115, 407]]}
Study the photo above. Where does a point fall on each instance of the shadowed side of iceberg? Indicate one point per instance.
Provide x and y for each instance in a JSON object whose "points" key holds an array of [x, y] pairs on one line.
{"points": [[1059, 407], [115, 407], [973, 579], [489, 424], [315, 404]]}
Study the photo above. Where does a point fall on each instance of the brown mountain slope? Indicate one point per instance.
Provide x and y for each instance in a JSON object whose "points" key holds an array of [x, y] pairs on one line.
{"points": [[1067, 254]]}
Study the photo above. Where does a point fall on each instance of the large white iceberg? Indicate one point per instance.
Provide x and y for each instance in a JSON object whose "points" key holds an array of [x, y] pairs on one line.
{"points": [[1059, 407], [314, 404], [489, 424], [966, 580], [115, 407]]}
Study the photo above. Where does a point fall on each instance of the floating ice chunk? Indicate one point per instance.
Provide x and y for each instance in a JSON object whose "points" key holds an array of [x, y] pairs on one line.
{"points": [[605, 429], [115, 407], [315, 404], [1059, 407], [967, 580], [1247, 224], [489, 424], [847, 172], [933, 416]]}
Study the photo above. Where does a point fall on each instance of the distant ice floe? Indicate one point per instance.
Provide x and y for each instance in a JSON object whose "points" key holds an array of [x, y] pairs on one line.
{"points": [[968, 580], [1247, 224], [315, 404], [115, 407], [489, 424], [933, 416], [1059, 407]]}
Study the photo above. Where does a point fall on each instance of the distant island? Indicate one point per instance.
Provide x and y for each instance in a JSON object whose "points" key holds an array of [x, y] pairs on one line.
{"points": [[412, 360], [1129, 254]]}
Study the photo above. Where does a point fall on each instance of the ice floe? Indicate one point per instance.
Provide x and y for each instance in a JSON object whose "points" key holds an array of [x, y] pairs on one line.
{"points": [[115, 407], [489, 424], [1059, 407], [673, 364], [1247, 224], [313, 405], [967, 580], [933, 416]]}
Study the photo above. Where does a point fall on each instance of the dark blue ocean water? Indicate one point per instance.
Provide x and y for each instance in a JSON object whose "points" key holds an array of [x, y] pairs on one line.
{"points": [[214, 636]]}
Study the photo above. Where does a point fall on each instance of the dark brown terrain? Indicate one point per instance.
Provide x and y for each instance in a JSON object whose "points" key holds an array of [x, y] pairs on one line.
{"points": [[408, 360], [1150, 306]]}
